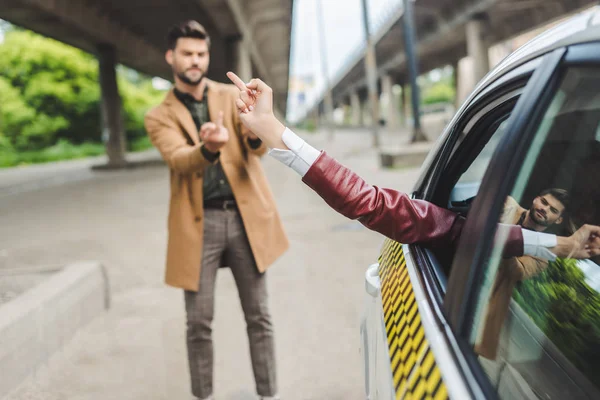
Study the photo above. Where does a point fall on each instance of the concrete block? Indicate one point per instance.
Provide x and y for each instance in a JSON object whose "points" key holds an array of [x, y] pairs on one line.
{"points": [[405, 157], [44, 318]]}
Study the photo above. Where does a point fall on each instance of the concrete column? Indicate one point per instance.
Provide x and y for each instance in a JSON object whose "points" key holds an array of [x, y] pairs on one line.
{"points": [[356, 110], [371, 72], [243, 66], [392, 104], [404, 112], [112, 119], [477, 48], [315, 117], [327, 117], [456, 77]]}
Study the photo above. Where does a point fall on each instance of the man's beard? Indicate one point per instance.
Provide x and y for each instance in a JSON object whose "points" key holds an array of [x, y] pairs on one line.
{"points": [[185, 79], [540, 221]]}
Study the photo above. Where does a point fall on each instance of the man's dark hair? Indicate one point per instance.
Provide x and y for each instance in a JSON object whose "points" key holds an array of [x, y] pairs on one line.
{"points": [[187, 29], [559, 194]]}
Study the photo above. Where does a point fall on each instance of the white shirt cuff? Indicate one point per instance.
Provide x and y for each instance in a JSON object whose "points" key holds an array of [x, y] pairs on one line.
{"points": [[537, 244], [300, 156]]}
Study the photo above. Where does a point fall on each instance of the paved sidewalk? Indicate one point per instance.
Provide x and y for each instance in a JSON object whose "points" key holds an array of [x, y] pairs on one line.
{"points": [[37, 176], [136, 350]]}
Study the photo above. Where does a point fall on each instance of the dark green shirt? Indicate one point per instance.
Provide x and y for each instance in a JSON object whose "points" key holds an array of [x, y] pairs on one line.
{"points": [[215, 183]]}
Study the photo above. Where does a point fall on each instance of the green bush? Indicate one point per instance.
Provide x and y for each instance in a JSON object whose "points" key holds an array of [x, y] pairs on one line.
{"points": [[567, 310], [137, 100], [441, 92], [140, 144], [59, 83], [50, 98]]}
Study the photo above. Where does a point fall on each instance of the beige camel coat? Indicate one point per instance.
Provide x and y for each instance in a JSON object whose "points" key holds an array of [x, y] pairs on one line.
{"points": [[172, 131]]}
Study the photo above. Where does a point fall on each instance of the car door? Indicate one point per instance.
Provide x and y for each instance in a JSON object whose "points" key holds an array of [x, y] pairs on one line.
{"points": [[412, 279], [534, 333]]}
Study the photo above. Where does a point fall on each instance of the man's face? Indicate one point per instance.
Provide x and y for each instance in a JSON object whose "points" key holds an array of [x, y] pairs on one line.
{"points": [[546, 210], [189, 60]]}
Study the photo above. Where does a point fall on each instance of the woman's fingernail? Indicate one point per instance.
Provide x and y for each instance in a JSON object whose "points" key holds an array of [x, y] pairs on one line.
{"points": [[251, 108]]}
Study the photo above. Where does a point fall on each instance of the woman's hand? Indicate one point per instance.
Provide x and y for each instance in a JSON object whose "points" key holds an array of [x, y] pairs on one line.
{"points": [[584, 243], [255, 106]]}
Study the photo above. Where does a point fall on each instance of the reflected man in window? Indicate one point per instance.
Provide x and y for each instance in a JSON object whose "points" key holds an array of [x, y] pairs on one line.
{"points": [[549, 209]]}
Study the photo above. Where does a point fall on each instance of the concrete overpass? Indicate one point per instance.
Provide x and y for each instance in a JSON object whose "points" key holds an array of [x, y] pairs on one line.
{"points": [[447, 31], [251, 37]]}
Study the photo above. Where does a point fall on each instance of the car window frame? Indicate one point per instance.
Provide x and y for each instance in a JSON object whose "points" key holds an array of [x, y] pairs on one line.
{"points": [[576, 55], [429, 271], [433, 277], [504, 166], [438, 158]]}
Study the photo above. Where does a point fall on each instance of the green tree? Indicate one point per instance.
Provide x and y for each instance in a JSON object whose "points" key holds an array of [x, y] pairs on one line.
{"points": [[50, 93], [59, 82]]}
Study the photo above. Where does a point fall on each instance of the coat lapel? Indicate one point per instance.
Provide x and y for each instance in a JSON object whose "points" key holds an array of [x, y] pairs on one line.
{"points": [[183, 116]]}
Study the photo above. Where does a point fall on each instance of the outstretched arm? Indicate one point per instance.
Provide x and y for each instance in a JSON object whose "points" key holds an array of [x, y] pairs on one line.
{"points": [[386, 211]]}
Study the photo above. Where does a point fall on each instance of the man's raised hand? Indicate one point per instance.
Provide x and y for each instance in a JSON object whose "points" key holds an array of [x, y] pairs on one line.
{"points": [[214, 134]]}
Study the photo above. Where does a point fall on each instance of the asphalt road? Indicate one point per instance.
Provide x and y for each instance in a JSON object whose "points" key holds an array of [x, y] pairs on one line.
{"points": [[136, 350]]}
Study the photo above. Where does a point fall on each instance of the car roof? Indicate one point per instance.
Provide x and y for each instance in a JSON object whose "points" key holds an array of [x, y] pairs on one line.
{"points": [[581, 28]]}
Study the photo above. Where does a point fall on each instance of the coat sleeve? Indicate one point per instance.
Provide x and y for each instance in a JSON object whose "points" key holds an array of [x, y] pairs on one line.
{"points": [[527, 267], [179, 155], [390, 212]]}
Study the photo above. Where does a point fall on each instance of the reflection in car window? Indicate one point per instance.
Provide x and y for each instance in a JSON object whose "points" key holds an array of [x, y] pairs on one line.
{"points": [[537, 326]]}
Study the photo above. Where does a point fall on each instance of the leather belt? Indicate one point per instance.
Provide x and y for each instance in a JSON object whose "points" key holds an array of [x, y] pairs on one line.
{"points": [[221, 204]]}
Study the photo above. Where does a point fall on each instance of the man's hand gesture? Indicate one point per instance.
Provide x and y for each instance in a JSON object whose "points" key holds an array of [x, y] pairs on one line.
{"points": [[214, 134]]}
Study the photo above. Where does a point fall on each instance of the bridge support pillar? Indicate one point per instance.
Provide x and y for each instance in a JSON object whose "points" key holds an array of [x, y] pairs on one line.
{"points": [[356, 108], [392, 103], [477, 47], [404, 112], [113, 132], [243, 66]]}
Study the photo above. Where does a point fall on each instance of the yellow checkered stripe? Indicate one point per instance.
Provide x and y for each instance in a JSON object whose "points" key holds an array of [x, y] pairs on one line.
{"points": [[414, 371]]}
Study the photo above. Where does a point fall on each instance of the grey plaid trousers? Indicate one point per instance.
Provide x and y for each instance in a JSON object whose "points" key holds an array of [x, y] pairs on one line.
{"points": [[226, 243]]}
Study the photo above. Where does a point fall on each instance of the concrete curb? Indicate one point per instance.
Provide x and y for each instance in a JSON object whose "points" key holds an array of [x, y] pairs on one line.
{"points": [[43, 319]]}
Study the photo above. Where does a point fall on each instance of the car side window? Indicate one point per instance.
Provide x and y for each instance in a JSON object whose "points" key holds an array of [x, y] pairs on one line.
{"points": [[536, 328], [480, 132], [479, 138], [465, 190], [475, 171]]}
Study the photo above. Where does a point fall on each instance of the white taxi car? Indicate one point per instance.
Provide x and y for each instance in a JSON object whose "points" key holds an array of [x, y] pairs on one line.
{"points": [[437, 326]]}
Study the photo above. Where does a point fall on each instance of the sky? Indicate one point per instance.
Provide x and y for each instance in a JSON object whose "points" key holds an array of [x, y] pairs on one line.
{"points": [[344, 35]]}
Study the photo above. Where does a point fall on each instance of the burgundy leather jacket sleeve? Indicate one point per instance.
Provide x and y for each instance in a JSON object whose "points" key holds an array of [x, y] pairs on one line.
{"points": [[390, 212]]}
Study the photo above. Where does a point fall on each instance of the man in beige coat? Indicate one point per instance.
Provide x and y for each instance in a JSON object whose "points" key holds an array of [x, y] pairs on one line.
{"points": [[547, 209], [221, 213]]}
